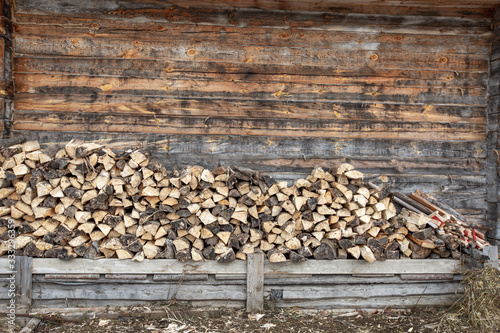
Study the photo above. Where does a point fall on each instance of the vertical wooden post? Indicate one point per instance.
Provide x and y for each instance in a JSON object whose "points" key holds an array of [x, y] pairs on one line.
{"points": [[6, 79], [255, 282], [492, 137], [492, 252], [23, 281]]}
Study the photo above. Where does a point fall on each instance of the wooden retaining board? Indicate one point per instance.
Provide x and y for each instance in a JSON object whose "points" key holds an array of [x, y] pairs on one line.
{"points": [[157, 266], [320, 284]]}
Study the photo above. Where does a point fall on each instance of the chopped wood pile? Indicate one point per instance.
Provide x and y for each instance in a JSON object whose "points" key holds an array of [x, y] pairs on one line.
{"points": [[84, 200]]}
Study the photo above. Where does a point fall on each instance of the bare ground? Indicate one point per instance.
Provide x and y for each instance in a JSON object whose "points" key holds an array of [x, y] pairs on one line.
{"points": [[271, 320]]}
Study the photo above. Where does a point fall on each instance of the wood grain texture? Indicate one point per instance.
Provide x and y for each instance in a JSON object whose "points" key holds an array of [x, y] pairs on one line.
{"points": [[24, 287], [57, 303], [246, 72], [255, 282], [400, 92], [493, 139], [153, 8], [368, 291], [6, 63], [132, 291], [395, 302], [116, 266]]}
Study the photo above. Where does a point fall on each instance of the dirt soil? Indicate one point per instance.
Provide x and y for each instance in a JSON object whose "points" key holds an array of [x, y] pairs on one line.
{"points": [[271, 320]]}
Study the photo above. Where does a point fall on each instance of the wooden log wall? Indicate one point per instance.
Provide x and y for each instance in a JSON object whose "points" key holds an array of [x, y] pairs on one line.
{"points": [[403, 97]]}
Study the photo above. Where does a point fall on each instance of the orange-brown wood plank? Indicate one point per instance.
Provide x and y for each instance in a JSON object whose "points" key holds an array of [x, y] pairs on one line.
{"points": [[140, 105], [232, 35], [303, 58], [367, 91], [247, 72], [112, 122], [161, 10]]}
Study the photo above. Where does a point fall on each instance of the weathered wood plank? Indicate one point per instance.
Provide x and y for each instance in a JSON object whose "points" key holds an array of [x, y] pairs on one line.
{"points": [[347, 39], [157, 68], [163, 266], [68, 121], [133, 277], [206, 292], [492, 140], [349, 92], [360, 267], [270, 280], [127, 303], [95, 102], [291, 157], [2, 57], [396, 302], [116, 266], [90, 47], [350, 279], [124, 291], [243, 149], [255, 282], [443, 183], [156, 10], [426, 277], [72, 276], [367, 291], [23, 281], [493, 254]]}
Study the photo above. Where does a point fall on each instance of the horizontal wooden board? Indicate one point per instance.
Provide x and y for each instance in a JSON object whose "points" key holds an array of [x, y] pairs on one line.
{"points": [[203, 52], [295, 156], [243, 149], [362, 267], [161, 11], [73, 277], [163, 266], [70, 303], [247, 72], [330, 280], [394, 302], [132, 291], [88, 100], [116, 266], [111, 122], [344, 37], [269, 279], [478, 12], [220, 90], [340, 291], [164, 292]]}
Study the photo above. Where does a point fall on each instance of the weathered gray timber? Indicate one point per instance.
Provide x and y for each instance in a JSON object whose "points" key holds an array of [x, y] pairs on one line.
{"points": [[23, 281], [255, 282], [493, 138], [323, 284], [336, 284]]}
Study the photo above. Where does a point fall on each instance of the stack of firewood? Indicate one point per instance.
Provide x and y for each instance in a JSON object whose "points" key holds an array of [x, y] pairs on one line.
{"points": [[84, 200]]}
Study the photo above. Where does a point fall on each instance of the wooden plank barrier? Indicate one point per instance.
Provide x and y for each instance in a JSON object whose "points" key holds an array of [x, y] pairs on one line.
{"points": [[336, 284]]}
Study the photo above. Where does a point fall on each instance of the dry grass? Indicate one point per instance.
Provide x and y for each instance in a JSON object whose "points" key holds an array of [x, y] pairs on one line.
{"points": [[478, 309]]}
